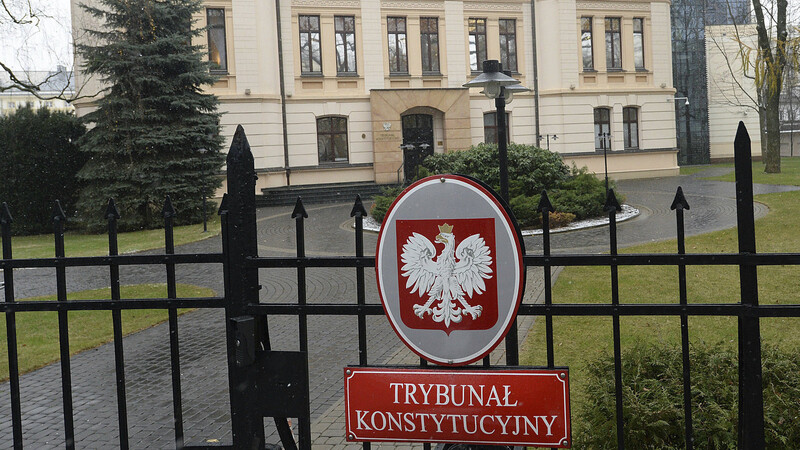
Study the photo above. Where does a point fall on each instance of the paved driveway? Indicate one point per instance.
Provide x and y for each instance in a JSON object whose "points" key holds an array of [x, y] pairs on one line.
{"points": [[333, 340]]}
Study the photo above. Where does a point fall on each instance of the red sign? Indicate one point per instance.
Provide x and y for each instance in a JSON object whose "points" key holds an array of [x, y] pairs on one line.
{"points": [[475, 308], [503, 407]]}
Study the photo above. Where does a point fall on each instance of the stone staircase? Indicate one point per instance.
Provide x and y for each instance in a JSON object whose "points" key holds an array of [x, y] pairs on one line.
{"points": [[318, 193]]}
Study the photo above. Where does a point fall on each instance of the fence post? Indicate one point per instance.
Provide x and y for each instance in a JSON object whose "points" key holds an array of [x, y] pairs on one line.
{"points": [[245, 335], [751, 396]]}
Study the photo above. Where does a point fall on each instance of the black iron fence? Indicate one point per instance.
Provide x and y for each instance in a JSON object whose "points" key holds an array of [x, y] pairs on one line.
{"points": [[258, 374]]}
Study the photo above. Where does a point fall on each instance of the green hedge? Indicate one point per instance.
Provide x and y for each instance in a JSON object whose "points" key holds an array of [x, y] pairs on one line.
{"points": [[653, 399], [38, 162], [575, 193]]}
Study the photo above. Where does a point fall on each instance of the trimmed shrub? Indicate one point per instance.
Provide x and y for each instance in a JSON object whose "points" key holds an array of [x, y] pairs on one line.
{"points": [[653, 398], [583, 195], [382, 202], [39, 160]]}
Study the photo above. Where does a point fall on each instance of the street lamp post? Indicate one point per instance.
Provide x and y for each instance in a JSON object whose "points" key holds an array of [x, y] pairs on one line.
{"points": [[202, 152], [495, 85]]}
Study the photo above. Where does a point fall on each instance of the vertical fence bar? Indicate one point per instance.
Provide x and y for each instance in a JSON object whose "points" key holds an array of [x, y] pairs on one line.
{"points": [[359, 213], [112, 215], [63, 326], [11, 329], [168, 212], [300, 214], [545, 207], [611, 207], [241, 290], [679, 204], [751, 396]]}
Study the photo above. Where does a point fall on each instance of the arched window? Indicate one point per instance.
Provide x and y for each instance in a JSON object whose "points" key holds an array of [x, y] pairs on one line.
{"points": [[332, 139], [602, 128], [630, 126]]}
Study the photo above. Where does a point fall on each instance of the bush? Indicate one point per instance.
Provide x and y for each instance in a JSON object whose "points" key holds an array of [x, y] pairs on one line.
{"points": [[583, 195], [382, 202], [38, 162], [653, 399], [530, 169]]}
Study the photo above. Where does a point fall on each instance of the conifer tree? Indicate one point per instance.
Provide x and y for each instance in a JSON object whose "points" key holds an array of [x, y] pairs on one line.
{"points": [[155, 132]]}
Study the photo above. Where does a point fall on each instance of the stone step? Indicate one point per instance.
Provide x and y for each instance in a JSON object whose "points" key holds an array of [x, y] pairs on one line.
{"points": [[319, 193]]}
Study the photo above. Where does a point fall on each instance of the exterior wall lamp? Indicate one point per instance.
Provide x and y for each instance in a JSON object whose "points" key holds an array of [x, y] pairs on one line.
{"points": [[679, 98]]}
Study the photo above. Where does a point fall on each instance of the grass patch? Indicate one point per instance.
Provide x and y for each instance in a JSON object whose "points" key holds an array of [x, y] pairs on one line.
{"points": [[579, 340], [41, 246], [37, 332], [790, 173]]}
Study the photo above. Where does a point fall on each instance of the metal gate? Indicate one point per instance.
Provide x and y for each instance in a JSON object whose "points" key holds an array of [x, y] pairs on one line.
{"points": [[268, 383]]}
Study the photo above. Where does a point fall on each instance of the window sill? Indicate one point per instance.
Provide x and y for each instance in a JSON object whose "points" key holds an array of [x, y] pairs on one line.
{"points": [[589, 70], [399, 74], [643, 70], [615, 70], [347, 75], [221, 73], [311, 75], [432, 74]]}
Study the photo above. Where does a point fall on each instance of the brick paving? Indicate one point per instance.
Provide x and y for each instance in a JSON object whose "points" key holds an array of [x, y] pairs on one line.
{"points": [[332, 340]]}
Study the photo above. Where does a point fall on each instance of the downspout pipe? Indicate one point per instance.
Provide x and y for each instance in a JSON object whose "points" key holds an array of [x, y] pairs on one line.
{"points": [[286, 168], [535, 75]]}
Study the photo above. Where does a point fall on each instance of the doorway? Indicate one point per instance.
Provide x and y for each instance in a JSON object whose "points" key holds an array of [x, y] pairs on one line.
{"points": [[417, 142]]}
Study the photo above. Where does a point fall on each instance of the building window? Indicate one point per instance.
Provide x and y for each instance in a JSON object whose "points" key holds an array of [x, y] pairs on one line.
{"points": [[398, 53], [613, 43], [332, 139], [310, 52], [477, 43], [508, 44], [602, 128], [630, 122], [638, 43], [217, 50], [586, 43], [345, 29], [490, 128], [429, 35]]}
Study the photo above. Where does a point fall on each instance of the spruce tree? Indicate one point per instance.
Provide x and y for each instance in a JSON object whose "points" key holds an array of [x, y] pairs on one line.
{"points": [[155, 132]]}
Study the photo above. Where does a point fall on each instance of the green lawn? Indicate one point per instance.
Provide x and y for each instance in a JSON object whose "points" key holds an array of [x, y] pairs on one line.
{"points": [[41, 246], [578, 340], [790, 173], [37, 332]]}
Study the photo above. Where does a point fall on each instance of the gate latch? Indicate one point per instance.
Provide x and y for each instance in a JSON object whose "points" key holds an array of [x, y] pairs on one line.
{"points": [[244, 332]]}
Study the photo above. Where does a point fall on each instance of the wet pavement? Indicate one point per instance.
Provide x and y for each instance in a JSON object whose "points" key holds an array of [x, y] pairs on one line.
{"points": [[332, 340]]}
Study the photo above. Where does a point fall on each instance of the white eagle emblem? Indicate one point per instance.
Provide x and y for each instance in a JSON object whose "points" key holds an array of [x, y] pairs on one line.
{"points": [[446, 280]]}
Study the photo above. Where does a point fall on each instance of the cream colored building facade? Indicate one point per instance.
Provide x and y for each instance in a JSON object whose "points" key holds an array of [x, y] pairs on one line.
{"points": [[399, 66], [731, 95]]}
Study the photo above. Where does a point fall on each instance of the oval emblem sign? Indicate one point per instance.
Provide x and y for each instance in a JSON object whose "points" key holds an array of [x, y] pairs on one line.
{"points": [[449, 269]]}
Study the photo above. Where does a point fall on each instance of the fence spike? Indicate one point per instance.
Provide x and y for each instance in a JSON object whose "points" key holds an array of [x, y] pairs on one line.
{"points": [[5, 214], [58, 211], [111, 211], [168, 210], [611, 202], [358, 208], [223, 205], [240, 148], [680, 200], [544, 203], [300, 210], [742, 136]]}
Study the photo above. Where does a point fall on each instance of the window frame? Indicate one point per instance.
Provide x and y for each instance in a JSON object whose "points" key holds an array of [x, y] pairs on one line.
{"points": [[217, 67], [310, 36], [640, 35], [599, 124], [493, 127], [472, 22], [628, 124], [333, 134], [427, 40], [343, 34], [590, 21], [504, 50], [613, 35], [394, 37]]}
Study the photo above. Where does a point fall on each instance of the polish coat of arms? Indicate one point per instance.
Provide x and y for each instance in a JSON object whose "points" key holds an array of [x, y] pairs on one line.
{"points": [[449, 281]]}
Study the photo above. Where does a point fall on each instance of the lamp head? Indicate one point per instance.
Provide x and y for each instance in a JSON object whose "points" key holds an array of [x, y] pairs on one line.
{"points": [[491, 80]]}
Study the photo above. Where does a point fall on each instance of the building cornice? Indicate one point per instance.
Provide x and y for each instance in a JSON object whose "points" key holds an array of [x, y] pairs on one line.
{"points": [[613, 5]]}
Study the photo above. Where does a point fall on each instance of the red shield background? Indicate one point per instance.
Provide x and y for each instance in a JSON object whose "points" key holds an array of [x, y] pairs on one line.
{"points": [[462, 228]]}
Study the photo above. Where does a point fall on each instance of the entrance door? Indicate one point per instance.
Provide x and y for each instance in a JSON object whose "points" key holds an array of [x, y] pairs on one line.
{"points": [[417, 142]]}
